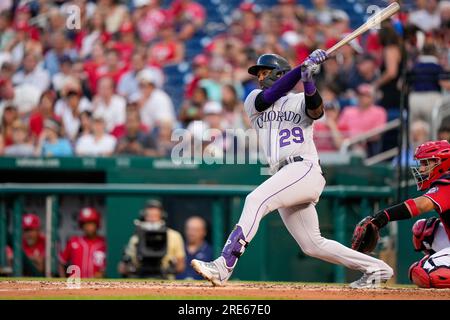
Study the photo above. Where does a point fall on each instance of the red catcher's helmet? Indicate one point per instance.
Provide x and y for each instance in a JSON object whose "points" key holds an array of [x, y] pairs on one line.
{"points": [[89, 215], [31, 221], [435, 156]]}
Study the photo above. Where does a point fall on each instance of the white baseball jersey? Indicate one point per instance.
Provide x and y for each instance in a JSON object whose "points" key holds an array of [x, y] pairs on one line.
{"points": [[284, 129]]}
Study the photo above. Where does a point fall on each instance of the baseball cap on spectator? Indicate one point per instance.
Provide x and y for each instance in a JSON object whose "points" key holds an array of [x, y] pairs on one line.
{"points": [[365, 89], [89, 214], [287, 1], [249, 7], [53, 124], [153, 203], [98, 117], [126, 27], [147, 76], [212, 107], [339, 15], [31, 221], [292, 38], [200, 60], [134, 98], [141, 3], [65, 59]]}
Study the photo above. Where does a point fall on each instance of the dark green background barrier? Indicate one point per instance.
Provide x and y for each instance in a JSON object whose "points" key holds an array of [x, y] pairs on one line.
{"points": [[273, 255]]}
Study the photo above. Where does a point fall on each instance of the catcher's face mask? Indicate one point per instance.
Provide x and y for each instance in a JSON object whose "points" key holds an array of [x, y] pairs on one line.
{"points": [[423, 171]]}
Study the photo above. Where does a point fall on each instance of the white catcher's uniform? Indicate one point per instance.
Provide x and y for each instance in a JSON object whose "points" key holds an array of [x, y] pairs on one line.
{"points": [[285, 131]]}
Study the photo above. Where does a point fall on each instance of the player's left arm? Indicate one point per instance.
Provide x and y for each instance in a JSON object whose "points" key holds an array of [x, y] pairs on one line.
{"points": [[313, 100], [314, 105], [405, 210]]}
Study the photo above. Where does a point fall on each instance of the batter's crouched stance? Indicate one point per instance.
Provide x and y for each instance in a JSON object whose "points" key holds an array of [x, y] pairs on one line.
{"points": [[432, 236], [284, 124]]}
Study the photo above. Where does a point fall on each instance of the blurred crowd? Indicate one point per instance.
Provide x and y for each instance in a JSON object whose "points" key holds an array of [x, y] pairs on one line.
{"points": [[99, 89]]}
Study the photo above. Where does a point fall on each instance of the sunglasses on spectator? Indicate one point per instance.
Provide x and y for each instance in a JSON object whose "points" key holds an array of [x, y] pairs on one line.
{"points": [[143, 84], [73, 93]]}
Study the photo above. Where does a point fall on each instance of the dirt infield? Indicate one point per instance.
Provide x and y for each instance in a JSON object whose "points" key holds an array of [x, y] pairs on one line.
{"points": [[103, 289]]}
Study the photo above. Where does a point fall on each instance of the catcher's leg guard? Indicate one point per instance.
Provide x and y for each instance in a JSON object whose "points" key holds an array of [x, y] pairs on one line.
{"points": [[418, 275], [438, 277]]}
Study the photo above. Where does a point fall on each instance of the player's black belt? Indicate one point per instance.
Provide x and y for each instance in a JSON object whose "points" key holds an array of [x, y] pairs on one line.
{"points": [[289, 160]]}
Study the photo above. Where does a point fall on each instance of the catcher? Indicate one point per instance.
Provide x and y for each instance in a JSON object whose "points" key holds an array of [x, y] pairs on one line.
{"points": [[431, 236]]}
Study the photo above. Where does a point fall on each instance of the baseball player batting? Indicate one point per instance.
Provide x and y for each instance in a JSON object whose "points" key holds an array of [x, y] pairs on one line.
{"points": [[431, 236], [284, 122]]}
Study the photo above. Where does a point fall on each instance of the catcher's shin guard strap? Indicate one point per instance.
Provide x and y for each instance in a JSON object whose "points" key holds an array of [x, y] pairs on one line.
{"points": [[394, 213]]}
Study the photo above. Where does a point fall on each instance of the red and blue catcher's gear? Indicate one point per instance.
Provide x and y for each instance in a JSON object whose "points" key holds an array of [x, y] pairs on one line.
{"points": [[423, 234], [424, 277], [433, 150]]}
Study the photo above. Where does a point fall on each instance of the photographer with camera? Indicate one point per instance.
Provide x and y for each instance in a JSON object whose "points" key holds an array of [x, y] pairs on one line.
{"points": [[154, 250]]}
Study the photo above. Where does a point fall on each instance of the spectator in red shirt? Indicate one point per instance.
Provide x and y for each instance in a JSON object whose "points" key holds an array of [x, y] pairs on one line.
{"points": [[200, 65], [170, 50], [44, 110], [119, 131], [87, 252], [113, 67], [291, 15], [248, 18], [94, 65], [148, 18], [189, 17], [33, 244], [125, 43]]}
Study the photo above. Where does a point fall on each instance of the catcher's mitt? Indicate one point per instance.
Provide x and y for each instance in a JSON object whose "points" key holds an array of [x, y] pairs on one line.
{"points": [[365, 236]]}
